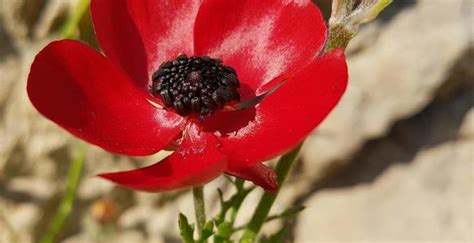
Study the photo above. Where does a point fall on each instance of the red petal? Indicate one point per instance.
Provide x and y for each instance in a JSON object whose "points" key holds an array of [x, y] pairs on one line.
{"points": [[260, 39], [259, 174], [80, 90], [194, 163], [138, 35], [285, 117]]}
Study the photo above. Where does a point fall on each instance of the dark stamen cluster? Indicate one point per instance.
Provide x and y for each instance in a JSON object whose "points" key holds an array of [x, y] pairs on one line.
{"points": [[197, 84]]}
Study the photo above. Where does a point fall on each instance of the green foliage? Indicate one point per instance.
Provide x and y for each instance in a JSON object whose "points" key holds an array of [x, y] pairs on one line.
{"points": [[381, 5], [266, 202], [206, 232], [278, 237], [233, 203], [67, 202], [224, 232], [287, 214], [223, 220], [221, 226], [186, 229]]}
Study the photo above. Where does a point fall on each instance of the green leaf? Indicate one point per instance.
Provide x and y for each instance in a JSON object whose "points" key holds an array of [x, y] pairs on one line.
{"points": [[278, 237], [381, 5], [233, 203], [206, 231], [186, 229], [225, 206], [221, 195], [224, 222], [239, 184], [291, 212], [287, 214], [224, 232]]}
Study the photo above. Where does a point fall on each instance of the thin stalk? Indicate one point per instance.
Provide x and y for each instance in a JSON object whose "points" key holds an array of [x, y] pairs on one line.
{"points": [[235, 208], [199, 207], [261, 212], [67, 202]]}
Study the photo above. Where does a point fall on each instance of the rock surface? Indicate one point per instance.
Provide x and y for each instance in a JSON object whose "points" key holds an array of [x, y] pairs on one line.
{"points": [[408, 60], [426, 199]]}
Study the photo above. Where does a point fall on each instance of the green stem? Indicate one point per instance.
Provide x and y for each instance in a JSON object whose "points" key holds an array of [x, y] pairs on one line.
{"points": [[348, 6], [66, 204], [70, 27], [199, 207], [261, 212], [239, 183]]}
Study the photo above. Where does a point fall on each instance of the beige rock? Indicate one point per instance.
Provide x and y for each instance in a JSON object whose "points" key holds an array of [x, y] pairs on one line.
{"points": [[125, 236], [408, 59], [22, 218], [467, 129], [427, 199]]}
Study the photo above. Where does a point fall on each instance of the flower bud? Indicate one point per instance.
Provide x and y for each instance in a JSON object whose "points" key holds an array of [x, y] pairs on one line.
{"points": [[104, 211]]}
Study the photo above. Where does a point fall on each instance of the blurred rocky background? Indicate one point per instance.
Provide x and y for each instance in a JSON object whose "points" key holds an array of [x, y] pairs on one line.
{"points": [[393, 163]]}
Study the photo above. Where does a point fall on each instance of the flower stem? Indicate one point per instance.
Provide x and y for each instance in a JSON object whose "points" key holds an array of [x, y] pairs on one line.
{"points": [[199, 207], [261, 212], [65, 207]]}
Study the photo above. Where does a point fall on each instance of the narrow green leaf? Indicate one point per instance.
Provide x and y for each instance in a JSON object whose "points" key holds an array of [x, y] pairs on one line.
{"points": [[239, 184], [285, 215], [381, 5], [224, 232], [207, 231], [186, 229], [291, 212], [278, 237], [225, 206], [221, 195], [233, 203]]}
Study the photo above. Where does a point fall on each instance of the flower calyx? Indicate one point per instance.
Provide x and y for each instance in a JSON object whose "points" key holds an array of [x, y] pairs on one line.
{"points": [[346, 18]]}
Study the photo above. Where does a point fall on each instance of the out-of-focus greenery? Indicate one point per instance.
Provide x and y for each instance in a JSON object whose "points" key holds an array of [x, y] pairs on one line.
{"points": [[67, 202]]}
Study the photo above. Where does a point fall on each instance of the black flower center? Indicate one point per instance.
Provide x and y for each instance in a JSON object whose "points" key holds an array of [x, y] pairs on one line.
{"points": [[195, 85]]}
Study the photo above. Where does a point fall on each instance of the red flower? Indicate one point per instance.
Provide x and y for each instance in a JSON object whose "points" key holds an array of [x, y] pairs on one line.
{"points": [[105, 99]]}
